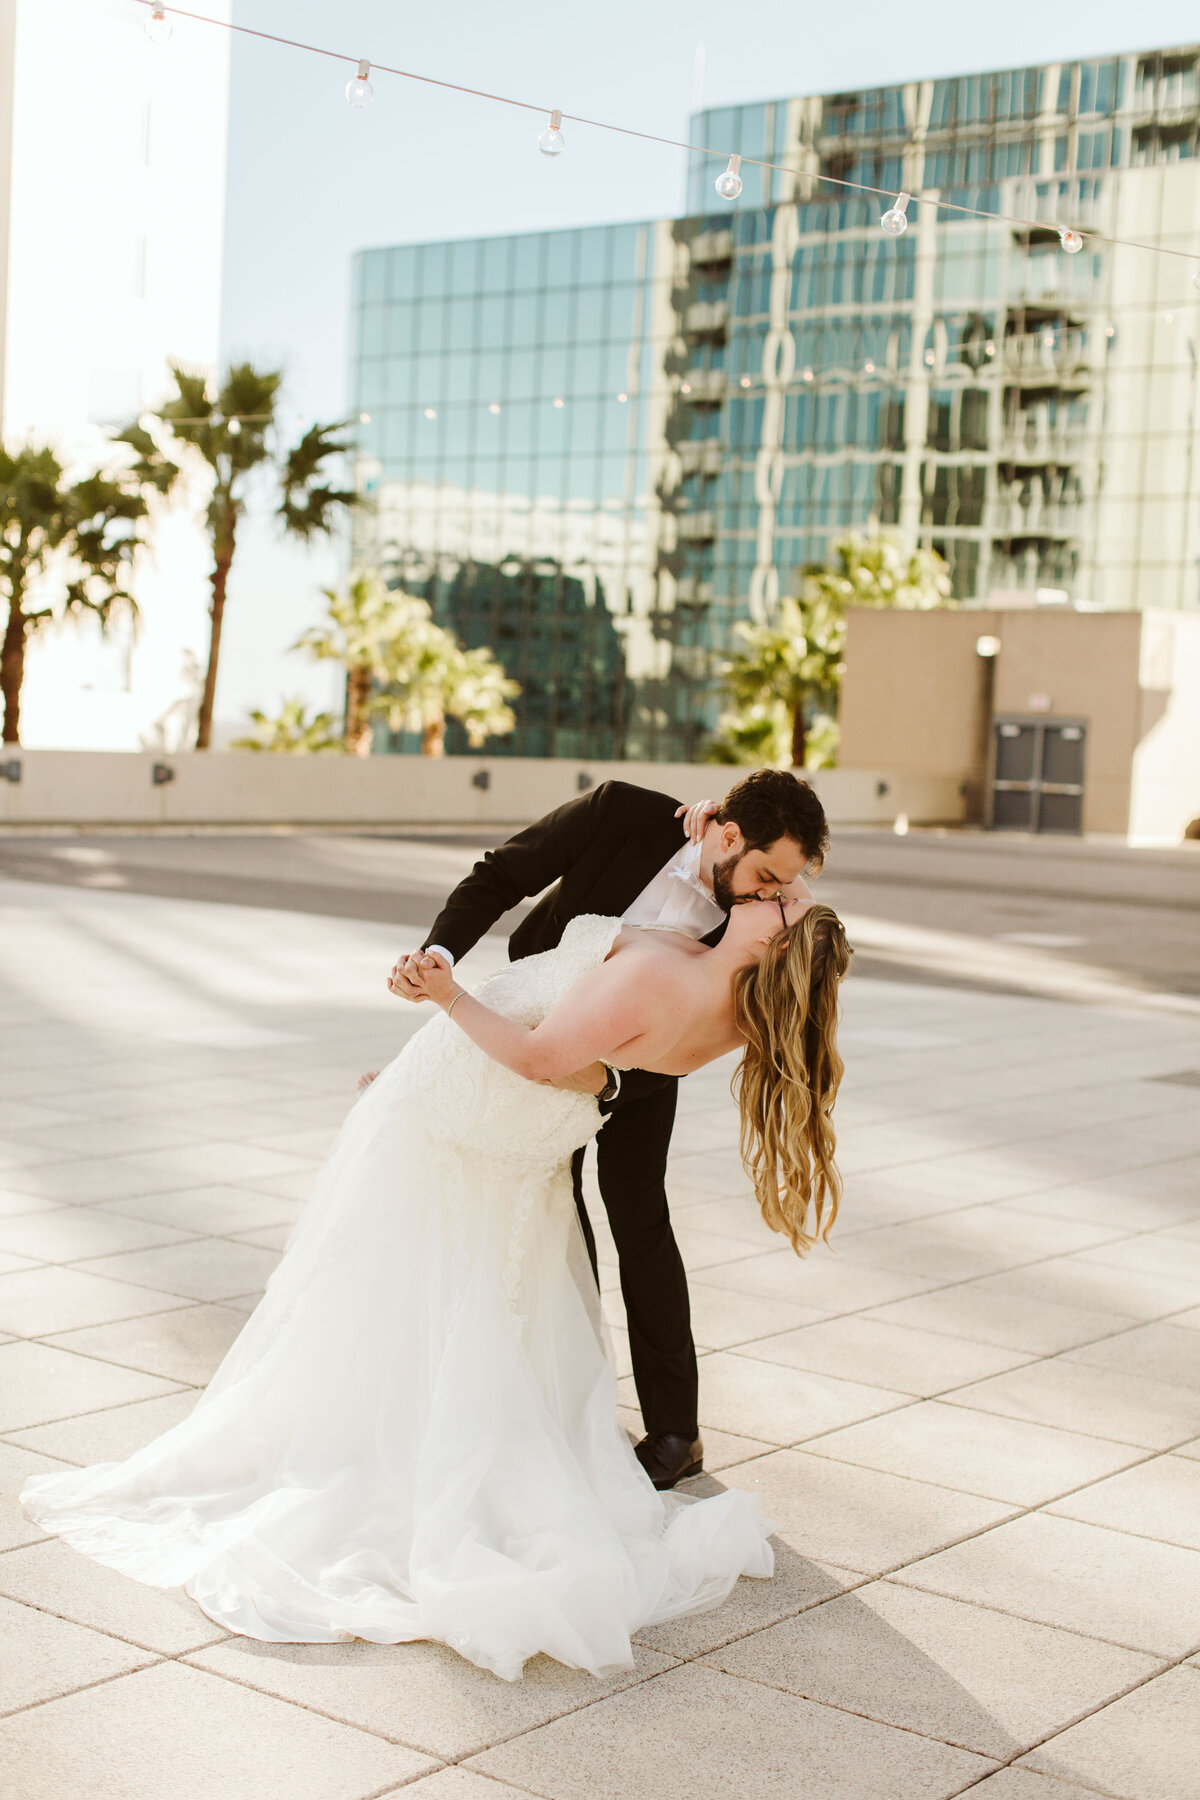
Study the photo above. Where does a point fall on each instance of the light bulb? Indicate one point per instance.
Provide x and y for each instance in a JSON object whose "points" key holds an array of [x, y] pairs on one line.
{"points": [[494, 407], [431, 412], [234, 427], [158, 26], [807, 375], [989, 349], [869, 368], [685, 387], [895, 220], [552, 142], [364, 418], [1071, 241], [559, 402], [745, 381], [359, 91], [729, 183], [622, 398]]}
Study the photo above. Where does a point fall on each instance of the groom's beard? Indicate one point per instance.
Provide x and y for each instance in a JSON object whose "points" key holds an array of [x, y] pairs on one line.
{"points": [[722, 883]]}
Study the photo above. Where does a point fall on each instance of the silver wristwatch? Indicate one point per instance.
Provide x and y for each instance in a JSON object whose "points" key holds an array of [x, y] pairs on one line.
{"points": [[612, 1086]]}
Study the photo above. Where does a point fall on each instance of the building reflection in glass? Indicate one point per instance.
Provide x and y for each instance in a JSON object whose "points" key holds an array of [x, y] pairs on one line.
{"points": [[598, 450]]}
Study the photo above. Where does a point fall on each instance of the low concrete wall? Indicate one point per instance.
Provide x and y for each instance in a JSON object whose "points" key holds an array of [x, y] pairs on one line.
{"points": [[86, 788]]}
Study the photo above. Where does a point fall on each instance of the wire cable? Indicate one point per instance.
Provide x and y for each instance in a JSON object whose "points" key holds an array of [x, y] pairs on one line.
{"points": [[647, 137]]}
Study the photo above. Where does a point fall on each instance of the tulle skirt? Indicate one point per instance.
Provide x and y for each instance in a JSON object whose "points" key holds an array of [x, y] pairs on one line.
{"points": [[415, 1435]]}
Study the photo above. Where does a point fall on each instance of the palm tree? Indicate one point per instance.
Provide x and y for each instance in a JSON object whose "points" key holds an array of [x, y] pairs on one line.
{"points": [[65, 548], [292, 731], [400, 665], [792, 665], [234, 433], [788, 669], [376, 634]]}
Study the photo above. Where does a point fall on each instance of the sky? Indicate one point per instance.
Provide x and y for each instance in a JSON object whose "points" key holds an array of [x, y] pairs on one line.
{"points": [[311, 179]]}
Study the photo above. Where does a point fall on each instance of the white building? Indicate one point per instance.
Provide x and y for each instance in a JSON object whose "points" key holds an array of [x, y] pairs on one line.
{"points": [[112, 198]]}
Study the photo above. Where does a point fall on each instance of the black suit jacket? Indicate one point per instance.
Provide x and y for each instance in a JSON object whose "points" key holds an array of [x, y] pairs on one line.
{"points": [[599, 852]]}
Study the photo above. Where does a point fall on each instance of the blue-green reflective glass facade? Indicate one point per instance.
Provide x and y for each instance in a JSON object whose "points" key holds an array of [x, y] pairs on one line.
{"points": [[599, 450]]}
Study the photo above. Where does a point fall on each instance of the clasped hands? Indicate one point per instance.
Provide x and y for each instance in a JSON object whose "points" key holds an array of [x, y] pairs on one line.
{"points": [[427, 976]]}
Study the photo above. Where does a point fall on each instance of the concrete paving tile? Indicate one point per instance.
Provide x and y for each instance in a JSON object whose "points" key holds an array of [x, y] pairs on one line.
{"points": [[1104, 1402], [957, 1673], [268, 1237], [421, 1694], [459, 1784], [798, 1583], [751, 1742], [111, 1435], [816, 1281], [59, 1580], [858, 1518], [175, 1733], [1070, 1281], [21, 1115], [285, 1187], [721, 1317], [35, 1302], [779, 1405], [1011, 1321], [39, 1383], [1165, 1352], [10, 1263], [1024, 1784], [709, 1249], [1155, 1253], [42, 1656], [70, 1233], [220, 1210], [860, 1347], [16, 1466], [1084, 1578], [1143, 1747], [978, 1452], [216, 1162], [81, 1179], [315, 1141], [109, 1137], [203, 1269], [979, 1240], [15, 1205], [16, 1154], [186, 1344], [1157, 1499]]}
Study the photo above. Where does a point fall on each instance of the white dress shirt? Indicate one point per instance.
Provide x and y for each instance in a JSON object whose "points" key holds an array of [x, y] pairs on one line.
{"points": [[676, 900]]}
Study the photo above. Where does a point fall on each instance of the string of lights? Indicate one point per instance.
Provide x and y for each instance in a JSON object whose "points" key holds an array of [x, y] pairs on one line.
{"points": [[360, 92]]}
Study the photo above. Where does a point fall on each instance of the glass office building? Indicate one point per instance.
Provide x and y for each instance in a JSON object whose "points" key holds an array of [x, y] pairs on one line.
{"points": [[599, 450]]}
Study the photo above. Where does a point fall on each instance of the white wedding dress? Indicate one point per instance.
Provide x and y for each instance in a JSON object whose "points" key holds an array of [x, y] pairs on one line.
{"points": [[415, 1435]]}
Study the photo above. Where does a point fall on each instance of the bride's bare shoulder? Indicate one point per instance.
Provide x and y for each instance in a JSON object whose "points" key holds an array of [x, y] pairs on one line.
{"points": [[661, 948]]}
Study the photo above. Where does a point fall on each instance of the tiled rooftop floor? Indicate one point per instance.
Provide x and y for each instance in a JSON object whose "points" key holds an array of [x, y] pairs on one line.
{"points": [[977, 1424]]}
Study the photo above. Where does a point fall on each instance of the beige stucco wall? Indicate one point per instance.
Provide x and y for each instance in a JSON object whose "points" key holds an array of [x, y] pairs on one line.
{"points": [[911, 696], [80, 788], [1166, 763], [1086, 666], [911, 700]]}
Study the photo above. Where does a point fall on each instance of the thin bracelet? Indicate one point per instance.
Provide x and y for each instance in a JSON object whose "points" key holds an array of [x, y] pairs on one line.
{"points": [[455, 1001]]}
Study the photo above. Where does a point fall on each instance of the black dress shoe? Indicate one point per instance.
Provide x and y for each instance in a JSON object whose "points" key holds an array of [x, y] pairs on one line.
{"points": [[668, 1458]]}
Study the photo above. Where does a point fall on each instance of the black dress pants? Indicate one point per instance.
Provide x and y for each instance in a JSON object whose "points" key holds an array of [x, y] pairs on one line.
{"points": [[631, 1162]]}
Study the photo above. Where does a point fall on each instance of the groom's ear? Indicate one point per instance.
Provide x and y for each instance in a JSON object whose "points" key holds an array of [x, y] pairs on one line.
{"points": [[731, 840]]}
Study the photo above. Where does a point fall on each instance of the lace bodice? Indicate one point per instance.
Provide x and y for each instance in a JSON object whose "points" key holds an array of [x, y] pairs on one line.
{"points": [[477, 1103]]}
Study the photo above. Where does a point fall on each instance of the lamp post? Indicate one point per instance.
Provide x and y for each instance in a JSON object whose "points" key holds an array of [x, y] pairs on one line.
{"points": [[977, 810]]}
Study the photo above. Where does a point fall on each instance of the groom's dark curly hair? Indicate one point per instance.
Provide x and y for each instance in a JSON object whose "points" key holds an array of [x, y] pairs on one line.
{"points": [[773, 804]]}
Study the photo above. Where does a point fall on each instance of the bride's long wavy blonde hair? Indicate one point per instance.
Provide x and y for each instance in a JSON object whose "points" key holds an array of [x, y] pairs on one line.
{"points": [[787, 1010]]}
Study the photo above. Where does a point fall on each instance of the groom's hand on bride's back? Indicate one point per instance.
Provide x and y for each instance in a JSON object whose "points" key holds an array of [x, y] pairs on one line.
{"points": [[592, 1080]]}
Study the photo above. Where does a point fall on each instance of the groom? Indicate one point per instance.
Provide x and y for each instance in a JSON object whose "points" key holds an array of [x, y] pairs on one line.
{"points": [[622, 851]]}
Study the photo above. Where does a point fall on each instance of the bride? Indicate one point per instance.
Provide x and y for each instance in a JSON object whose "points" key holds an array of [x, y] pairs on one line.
{"points": [[415, 1435]]}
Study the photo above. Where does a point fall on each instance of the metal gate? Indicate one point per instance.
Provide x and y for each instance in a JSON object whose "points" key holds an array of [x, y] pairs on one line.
{"points": [[1037, 774]]}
